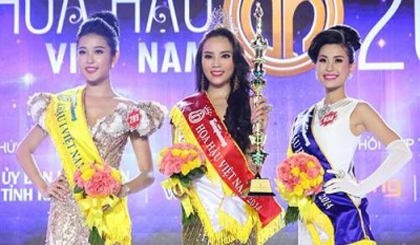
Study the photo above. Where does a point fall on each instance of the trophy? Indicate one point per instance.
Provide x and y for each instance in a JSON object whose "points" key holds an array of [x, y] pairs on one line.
{"points": [[259, 186]]}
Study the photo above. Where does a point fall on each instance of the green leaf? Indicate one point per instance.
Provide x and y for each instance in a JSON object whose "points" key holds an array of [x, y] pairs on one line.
{"points": [[196, 173], [185, 181], [95, 238], [77, 189], [292, 215], [190, 219]]}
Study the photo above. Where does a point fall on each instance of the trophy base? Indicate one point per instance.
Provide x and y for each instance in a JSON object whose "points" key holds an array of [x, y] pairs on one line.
{"points": [[260, 194], [260, 187]]}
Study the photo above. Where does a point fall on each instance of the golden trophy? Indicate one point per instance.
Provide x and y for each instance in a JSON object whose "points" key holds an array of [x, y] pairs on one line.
{"points": [[259, 186]]}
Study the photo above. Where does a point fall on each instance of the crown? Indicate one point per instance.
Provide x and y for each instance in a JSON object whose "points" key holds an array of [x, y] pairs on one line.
{"points": [[221, 19]]}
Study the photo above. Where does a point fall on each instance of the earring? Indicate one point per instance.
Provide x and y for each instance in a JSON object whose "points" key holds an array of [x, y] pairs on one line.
{"points": [[235, 84], [350, 76], [202, 83]]}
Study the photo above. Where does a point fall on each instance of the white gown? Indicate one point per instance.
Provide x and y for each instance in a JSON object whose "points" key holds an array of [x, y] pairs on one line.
{"points": [[338, 144]]}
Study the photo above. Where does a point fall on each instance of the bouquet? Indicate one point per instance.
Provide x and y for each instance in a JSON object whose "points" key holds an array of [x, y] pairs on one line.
{"points": [[96, 189], [182, 163], [299, 179]]}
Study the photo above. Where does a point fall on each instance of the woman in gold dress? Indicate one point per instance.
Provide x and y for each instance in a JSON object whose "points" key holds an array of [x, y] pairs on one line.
{"points": [[90, 123]]}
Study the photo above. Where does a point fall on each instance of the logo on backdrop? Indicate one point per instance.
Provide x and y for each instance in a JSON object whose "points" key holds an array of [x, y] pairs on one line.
{"points": [[281, 57]]}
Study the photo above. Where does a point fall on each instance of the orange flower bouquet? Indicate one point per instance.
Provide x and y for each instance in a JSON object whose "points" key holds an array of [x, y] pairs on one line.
{"points": [[182, 163], [299, 179], [96, 189]]}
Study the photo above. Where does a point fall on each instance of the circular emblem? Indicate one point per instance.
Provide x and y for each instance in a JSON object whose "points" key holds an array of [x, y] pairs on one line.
{"points": [[282, 59], [133, 119], [196, 116]]}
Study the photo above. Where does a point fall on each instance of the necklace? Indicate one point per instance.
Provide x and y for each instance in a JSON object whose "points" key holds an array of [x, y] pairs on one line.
{"points": [[327, 113]]}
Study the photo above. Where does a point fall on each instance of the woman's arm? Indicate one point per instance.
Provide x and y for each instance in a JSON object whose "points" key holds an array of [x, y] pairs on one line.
{"points": [[143, 154], [365, 118], [24, 155]]}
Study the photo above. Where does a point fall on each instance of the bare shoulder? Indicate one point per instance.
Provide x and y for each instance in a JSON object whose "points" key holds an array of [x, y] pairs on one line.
{"points": [[370, 120], [361, 117], [364, 107], [365, 111]]}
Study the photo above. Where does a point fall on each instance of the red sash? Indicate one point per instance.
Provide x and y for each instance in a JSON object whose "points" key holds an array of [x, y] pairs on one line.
{"points": [[223, 153]]}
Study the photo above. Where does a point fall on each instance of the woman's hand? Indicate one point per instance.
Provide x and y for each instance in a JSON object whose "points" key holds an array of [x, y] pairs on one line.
{"points": [[178, 193], [260, 112], [124, 191], [56, 189], [342, 183]]}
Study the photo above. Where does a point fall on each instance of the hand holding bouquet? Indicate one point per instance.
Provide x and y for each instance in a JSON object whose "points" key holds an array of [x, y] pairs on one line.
{"points": [[183, 163], [299, 179], [96, 189]]}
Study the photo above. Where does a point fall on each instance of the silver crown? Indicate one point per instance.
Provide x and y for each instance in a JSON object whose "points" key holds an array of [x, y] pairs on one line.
{"points": [[221, 19]]}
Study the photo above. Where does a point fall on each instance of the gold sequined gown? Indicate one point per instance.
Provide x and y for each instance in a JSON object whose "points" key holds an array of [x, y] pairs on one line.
{"points": [[66, 224]]}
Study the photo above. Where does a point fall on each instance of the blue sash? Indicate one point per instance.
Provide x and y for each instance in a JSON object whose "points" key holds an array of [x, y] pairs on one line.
{"points": [[351, 223]]}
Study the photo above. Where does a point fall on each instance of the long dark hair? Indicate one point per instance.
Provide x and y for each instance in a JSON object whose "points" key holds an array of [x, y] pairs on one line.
{"points": [[238, 113], [344, 35], [105, 24]]}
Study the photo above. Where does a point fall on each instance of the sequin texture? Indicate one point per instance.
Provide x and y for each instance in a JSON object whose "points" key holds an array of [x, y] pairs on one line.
{"points": [[66, 224]]}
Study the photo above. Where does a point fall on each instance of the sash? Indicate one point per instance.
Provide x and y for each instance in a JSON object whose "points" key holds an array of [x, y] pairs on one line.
{"points": [[226, 157], [350, 223], [67, 126]]}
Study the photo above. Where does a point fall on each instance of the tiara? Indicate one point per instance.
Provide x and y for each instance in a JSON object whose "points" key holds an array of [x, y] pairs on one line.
{"points": [[221, 19]]}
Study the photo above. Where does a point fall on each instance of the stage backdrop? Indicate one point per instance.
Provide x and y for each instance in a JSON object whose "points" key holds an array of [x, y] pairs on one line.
{"points": [[159, 39]]}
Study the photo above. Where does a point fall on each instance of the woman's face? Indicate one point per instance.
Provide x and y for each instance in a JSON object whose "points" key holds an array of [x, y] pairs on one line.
{"points": [[217, 61], [333, 66], [94, 58]]}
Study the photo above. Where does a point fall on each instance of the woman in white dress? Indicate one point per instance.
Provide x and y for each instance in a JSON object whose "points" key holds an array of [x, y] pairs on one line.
{"points": [[330, 130]]}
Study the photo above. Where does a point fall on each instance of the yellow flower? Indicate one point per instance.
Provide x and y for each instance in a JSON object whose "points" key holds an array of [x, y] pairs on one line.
{"points": [[186, 168], [196, 163], [191, 165], [314, 182], [298, 190], [303, 176], [311, 164], [86, 175], [319, 179], [194, 153], [295, 171], [176, 152], [185, 153], [305, 184]]}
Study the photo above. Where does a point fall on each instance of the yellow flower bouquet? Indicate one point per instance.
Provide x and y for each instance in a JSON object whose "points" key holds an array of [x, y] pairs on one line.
{"points": [[183, 163], [299, 179], [96, 189]]}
